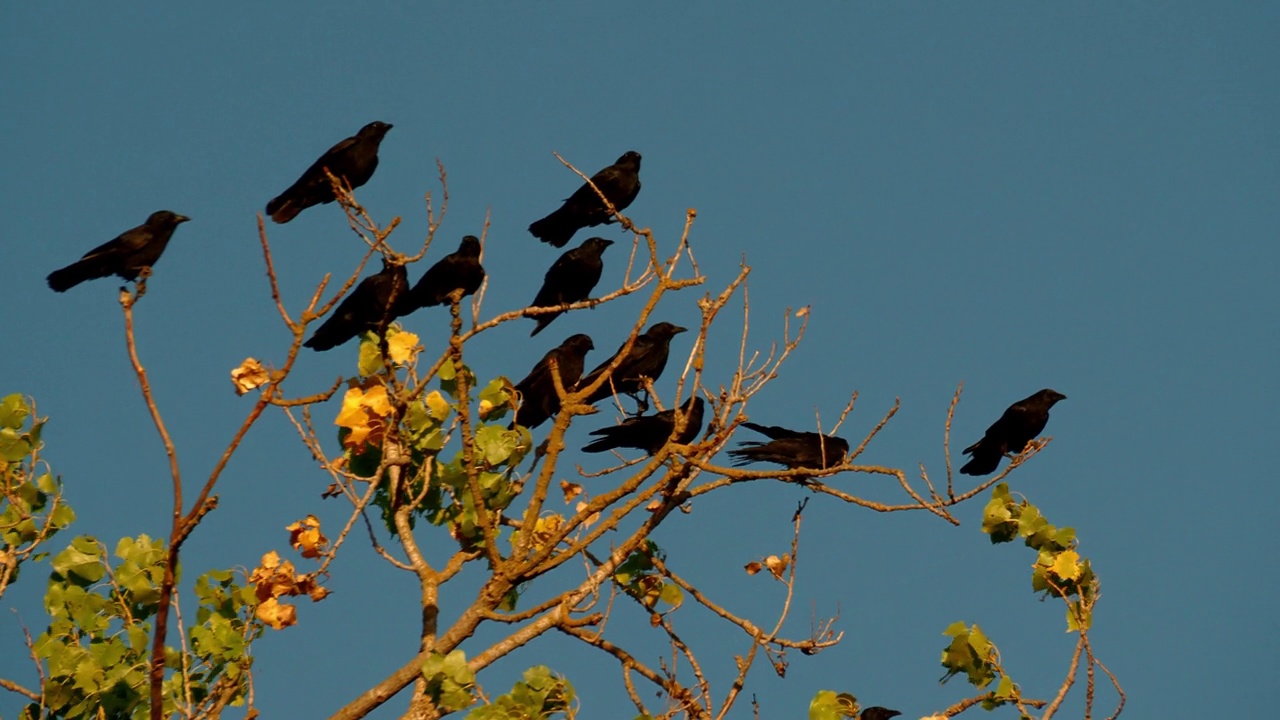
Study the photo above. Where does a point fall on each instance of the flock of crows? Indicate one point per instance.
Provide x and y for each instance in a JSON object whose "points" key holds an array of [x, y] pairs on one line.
{"points": [[386, 295]]}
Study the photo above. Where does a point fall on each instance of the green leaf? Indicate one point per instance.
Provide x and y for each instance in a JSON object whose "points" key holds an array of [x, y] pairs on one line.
{"points": [[1077, 618], [448, 680], [62, 516], [496, 443], [997, 517], [671, 594], [827, 705], [81, 562], [13, 447], [449, 378], [971, 653], [365, 462], [495, 399], [447, 371], [13, 411], [370, 359], [1005, 690]]}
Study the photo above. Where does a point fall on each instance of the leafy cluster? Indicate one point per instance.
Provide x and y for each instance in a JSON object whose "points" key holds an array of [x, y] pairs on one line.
{"points": [[1059, 570], [422, 423], [639, 577], [31, 509], [96, 647], [971, 652]]}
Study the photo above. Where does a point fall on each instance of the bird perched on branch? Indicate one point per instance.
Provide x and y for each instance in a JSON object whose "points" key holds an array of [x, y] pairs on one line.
{"points": [[538, 398], [875, 712], [791, 448], [1019, 425], [650, 432], [620, 182], [648, 358], [571, 278], [374, 303], [353, 161], [126, 256], [459, 270]]}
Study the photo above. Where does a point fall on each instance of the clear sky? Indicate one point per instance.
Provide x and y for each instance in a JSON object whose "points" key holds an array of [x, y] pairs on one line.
{"points": [[1082, 196]]}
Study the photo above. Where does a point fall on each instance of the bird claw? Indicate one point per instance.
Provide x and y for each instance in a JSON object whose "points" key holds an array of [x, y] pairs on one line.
{"points": [[642, 406]]}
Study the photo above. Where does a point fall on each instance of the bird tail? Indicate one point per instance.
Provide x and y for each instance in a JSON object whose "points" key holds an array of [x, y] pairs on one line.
{"points": [[604, 444], [982, 463], [543, 321], [555, 229], [282, 210], [745, 456], [72, 275], [325, 338]]}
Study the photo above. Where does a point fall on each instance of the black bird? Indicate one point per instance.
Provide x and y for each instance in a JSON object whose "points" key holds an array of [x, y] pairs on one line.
{"points": [[571, 278], [459, 270], [125, 256], [875, 712], [620, 182], [650, 432], [791, 448], [374, 303], [538, 398], [352, 160], [1019, 425], [648, 358]]}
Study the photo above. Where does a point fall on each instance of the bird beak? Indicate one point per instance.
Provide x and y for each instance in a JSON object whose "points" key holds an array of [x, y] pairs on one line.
{"points": [[679, 330], [183, 218]]}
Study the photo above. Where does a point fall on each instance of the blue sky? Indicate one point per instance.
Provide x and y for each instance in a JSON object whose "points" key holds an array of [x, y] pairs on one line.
{"points": [[1014, 196]]}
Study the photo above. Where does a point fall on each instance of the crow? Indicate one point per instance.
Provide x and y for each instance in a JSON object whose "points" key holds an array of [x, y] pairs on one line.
{"points": [[571, 278], [375, 302], [353, 160], [125, 256], [538, 398], [791, 448], [650, 432], [648, 358], [1019, 425], [459, 270], [620, 182], [875, 712]]}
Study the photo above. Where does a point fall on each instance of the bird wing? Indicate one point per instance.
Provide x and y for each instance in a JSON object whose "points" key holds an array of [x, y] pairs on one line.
{"points": [[774, 432]]}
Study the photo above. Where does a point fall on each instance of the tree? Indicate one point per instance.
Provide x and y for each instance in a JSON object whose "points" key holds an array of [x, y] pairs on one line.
{"points": [[432, 449]]}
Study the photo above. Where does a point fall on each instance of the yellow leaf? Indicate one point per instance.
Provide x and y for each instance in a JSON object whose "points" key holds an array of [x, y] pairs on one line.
{"points": [[437, 406], [402, 347], [544, 528], [1067, 565], [363, 412], [248, 376], [305, 537], [376, 400], [352, 413], [777, 565], [276, 614], [570, 490], [358, 437]]}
